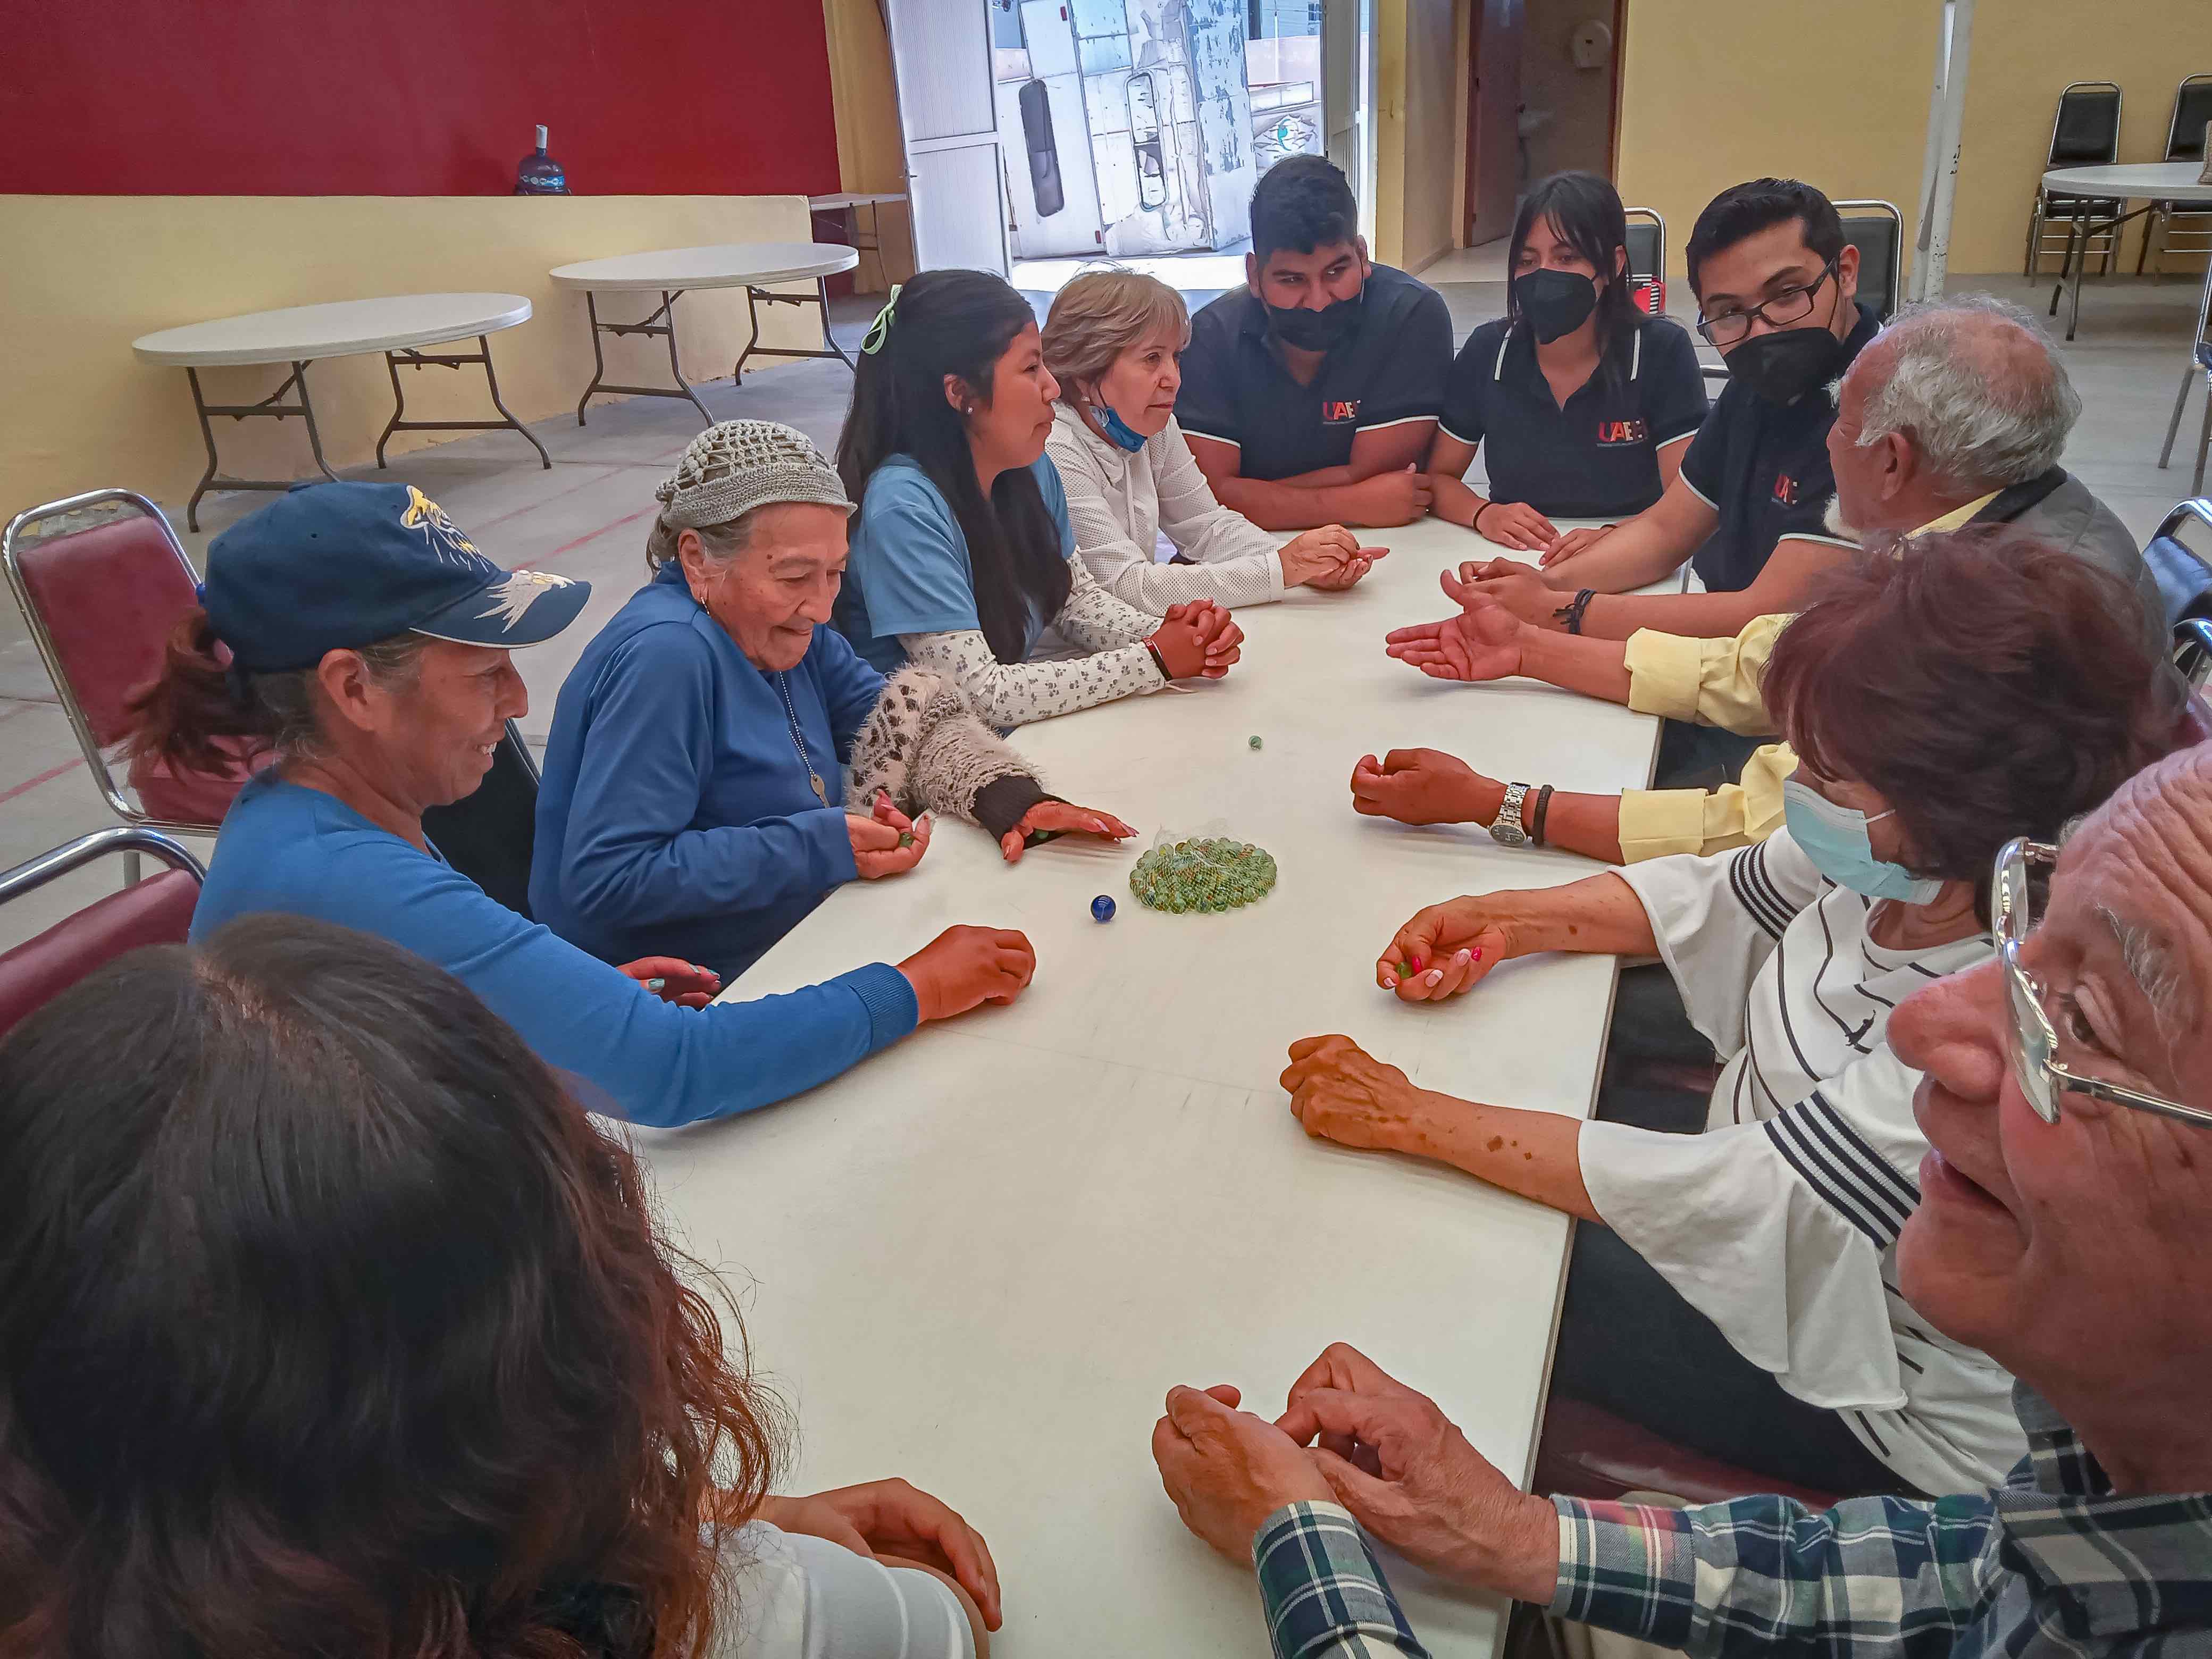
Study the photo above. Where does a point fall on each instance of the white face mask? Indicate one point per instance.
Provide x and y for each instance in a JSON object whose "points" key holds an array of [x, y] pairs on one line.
{"points": [[1835, 837]]}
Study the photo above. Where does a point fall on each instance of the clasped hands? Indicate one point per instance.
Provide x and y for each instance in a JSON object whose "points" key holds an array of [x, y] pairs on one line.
{"points": [[1197, 640], [1351, 1434], [1330, 558]]}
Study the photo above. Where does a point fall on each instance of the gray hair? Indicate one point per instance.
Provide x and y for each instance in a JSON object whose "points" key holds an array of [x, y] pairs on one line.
{"points": [[286, 706], [1974, 383], [720, 541]]}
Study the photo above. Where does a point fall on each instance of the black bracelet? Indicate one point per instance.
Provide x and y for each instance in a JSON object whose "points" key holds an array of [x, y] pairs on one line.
{"points": [[1476, 525], [1571, 613], [1536, 819], [1159, 661]]}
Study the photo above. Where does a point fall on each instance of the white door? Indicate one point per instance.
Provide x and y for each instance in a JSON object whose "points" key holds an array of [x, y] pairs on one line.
{"points": [[941, 56]]}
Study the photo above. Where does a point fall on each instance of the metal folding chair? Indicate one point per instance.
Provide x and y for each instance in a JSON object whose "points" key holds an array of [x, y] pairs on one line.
{"points": [[2200, 363], [1876, 229], [1647, 259], [156, 912], [101, 602], [2085, 131], [2191, 221]]}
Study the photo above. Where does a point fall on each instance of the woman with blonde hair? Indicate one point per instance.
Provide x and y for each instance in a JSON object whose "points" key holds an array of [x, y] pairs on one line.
{"points": [[1114, 342]]}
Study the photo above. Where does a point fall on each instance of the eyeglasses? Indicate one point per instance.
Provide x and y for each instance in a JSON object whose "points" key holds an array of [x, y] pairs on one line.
{"points": [[2043, 1079], [1792, 305]]}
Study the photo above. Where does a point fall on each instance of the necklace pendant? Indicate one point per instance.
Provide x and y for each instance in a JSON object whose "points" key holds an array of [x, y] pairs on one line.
{"points": [[820, 793]]}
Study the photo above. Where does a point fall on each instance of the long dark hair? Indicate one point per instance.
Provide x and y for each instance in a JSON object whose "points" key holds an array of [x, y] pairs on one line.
{"points": [[958, 323], [333, 1326], [1586, 213]]}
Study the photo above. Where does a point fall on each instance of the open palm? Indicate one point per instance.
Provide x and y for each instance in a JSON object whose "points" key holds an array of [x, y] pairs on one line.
{"points": [[1483, 642]]}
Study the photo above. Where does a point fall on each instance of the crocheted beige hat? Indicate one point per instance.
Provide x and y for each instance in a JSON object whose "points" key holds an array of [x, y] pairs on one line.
{"points": [[732, 468]]}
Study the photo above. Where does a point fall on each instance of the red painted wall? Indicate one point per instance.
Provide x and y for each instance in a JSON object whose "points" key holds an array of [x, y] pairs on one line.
{"points": [[412, 97]]}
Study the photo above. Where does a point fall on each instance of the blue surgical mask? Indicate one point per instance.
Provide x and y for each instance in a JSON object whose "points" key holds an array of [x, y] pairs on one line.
{"points": [[1835, 838], [1115, 429]]}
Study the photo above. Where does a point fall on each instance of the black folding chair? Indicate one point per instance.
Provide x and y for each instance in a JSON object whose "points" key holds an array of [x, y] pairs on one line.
{"points": [[1647, 259], [489, 837], [2181, 226], [2085, 132], [2184, 575], [1876, 229]]}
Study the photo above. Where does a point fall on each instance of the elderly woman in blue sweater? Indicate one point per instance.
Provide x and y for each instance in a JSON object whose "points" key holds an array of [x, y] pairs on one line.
{"points": [[354, 629], [694, 797]]}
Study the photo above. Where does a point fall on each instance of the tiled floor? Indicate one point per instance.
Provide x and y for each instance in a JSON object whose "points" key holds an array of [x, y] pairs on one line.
{"points": [[587, 518]]}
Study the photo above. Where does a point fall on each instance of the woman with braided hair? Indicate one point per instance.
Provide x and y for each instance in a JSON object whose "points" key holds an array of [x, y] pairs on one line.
{"points": [[694, 791]]}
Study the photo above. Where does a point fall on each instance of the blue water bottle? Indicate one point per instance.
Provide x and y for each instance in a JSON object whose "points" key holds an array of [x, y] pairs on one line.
{"points": [[539, 174]]}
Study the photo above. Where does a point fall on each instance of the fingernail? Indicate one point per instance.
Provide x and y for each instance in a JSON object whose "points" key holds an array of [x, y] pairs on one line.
{"points": [[1416, 967], [1390, 981], [1478, 953], [1461, 956], [1436, 975], [656, 984]]}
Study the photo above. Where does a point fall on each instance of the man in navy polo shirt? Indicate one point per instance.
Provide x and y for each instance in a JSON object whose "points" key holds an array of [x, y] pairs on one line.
{"points": [[1775, 282], [1310, 396]]}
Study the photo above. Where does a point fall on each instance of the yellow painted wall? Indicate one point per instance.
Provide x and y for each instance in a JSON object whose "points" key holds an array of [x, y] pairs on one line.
{"points": [[86, 274], [870, 154], [1715, 92], [1420, 96], [2025, 53]]}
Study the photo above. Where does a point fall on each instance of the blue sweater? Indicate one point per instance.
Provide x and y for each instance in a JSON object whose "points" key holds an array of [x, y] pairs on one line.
{"points": [[285, 847], [675, 818]]}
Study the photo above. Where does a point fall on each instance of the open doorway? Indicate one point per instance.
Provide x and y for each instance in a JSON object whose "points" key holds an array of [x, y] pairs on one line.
{"points": [[1543, 97], [1135, 130]]}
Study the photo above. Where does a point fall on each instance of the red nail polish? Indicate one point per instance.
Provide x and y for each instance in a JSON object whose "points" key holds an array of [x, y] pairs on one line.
{"points": [[1417, 965], [1478, 954]]}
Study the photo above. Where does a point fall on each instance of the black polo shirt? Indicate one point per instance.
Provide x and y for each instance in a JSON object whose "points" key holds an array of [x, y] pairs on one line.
{"points": [[1596, 457], [1236, 390], [1764, 468]]}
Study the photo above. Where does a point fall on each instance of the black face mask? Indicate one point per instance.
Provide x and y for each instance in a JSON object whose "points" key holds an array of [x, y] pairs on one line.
{"points": [[1555, 303], [1783, 367], [1317, 330]]}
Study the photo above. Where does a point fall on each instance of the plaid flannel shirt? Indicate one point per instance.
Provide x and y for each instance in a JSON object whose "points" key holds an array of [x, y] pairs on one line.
{"points": [[2050, 1563], [1323, 1591]]}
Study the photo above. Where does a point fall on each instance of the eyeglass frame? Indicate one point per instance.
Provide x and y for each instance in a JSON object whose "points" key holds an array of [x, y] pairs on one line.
{"points": [[2010, 923], [1757, 312]]}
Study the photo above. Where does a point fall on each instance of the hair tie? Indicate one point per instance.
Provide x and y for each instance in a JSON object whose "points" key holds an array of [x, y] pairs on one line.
{"points": [[880, 330]]}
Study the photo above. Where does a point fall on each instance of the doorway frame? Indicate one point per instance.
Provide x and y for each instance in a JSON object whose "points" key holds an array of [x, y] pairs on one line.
{"points": [[1470, 139]]}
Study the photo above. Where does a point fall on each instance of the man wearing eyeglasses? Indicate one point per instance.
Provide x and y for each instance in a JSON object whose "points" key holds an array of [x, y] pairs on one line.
{"points": [[1775, 282], [2061, 1227]]}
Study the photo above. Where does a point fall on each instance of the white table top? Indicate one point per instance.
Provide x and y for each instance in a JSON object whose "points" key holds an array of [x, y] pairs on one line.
{"points": [[301, 333], [2164, 181], [854, 198], [727, 264], [980, 1259]]}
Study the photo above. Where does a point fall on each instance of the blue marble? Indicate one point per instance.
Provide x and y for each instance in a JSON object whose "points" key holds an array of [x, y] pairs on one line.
{"points": [[1101, 908]]}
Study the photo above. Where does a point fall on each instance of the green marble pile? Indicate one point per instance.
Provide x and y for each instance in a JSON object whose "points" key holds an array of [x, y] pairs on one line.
{"points": [[1213, 873]]}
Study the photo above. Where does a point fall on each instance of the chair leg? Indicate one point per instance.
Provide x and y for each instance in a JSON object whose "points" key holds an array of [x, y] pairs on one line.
{"points": [[2204, 441], [2173, 426], [2034, 239]]}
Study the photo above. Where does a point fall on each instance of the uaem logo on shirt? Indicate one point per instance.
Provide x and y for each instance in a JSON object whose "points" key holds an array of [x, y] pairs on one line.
{"points": [[1339, 411], [1620, 431], [1785, 490]]}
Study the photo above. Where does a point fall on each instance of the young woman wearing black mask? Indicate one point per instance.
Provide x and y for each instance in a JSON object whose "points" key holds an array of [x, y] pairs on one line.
{"points": [[1581, 403], [962, 555]]}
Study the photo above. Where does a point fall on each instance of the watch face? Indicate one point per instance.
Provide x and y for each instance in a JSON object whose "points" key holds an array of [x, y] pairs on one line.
{"points": [[1506, 829]]}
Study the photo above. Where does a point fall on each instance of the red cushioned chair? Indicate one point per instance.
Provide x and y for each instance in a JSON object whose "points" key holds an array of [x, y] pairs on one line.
{"points": [[1588, 1452], [101, 602], [158, 911]]}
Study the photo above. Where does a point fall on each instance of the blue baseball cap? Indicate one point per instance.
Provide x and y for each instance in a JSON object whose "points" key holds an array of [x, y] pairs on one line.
{"points": [[328, 567]]}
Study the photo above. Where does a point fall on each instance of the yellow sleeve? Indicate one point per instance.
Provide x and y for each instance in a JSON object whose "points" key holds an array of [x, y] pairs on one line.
{"points": [[1710, 682], [1657, 822]]}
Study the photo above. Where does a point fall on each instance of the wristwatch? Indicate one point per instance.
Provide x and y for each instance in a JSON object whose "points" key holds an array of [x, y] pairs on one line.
{"points": [[1506, 829]]}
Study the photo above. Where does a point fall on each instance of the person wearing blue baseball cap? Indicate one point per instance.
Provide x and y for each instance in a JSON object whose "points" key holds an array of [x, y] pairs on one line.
{"points": [[354, 629]]}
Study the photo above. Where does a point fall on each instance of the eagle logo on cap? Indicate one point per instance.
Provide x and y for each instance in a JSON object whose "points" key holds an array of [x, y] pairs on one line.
{"points": [[440, 532], [511, 598]]}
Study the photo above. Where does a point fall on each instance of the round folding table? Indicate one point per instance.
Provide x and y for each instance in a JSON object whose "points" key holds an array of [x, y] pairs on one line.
{"points": [[398, 325], [2127, 183], [672, 272]]}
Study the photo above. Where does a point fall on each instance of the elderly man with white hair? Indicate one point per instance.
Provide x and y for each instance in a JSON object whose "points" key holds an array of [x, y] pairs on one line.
{"points": [[2061, 1227], [1955, 416]]}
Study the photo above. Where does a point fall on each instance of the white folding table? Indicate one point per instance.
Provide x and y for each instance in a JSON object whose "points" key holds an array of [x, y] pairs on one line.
{"points": [[397, 325], [672, 272], [980, 1259], [849, 204], [2126, 182]]}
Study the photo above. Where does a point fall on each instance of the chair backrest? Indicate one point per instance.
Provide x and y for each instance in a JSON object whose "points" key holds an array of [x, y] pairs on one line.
{"points": [[2086, 131], [2193, 109], [2184, 575], [1876, 229], [1647, 258], [156, 911], [489, 837], [101, 602]]}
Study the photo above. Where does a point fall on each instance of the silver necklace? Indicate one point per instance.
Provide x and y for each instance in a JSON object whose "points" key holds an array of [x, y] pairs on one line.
{"points": [[799, 741]]}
